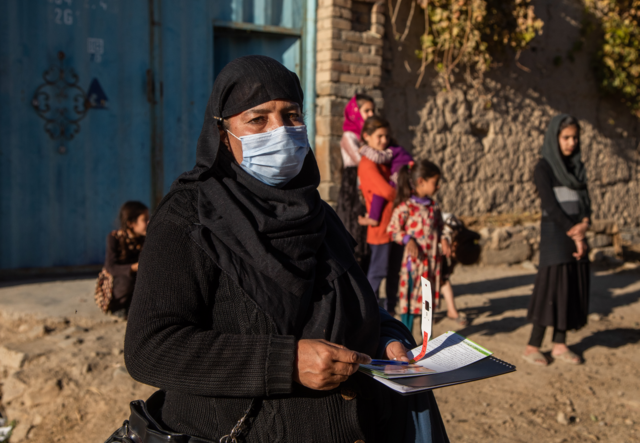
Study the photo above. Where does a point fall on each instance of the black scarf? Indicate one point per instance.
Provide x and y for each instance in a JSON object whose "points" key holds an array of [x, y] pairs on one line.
{"points": [[569, 171], [281, 245]]}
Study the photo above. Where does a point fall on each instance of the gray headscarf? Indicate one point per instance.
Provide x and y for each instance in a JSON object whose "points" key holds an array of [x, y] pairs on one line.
{"points": [[569, 171]]}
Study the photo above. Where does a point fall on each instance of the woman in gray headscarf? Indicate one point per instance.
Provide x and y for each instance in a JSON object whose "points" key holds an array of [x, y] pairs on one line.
{"points": [[561, 292]]}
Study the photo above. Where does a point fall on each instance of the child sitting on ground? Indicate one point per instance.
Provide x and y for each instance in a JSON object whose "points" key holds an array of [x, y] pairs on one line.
{"points": [[114, 288], [417, 223]]}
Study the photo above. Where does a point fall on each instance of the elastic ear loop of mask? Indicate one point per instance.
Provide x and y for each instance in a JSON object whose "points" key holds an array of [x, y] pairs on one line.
{"points": [[220, 119]]}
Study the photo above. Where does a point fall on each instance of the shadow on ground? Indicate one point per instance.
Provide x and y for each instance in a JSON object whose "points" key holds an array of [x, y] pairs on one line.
{"points": [[602, 287], [495, 285], [611, 338], [602, 301]]}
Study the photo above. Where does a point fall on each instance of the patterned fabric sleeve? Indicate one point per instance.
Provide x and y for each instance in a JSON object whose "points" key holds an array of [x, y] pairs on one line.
{"points": [[398, 222]]}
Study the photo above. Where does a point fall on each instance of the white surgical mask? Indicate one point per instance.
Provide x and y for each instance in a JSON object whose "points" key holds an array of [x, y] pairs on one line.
{"points": [[274, 157]]}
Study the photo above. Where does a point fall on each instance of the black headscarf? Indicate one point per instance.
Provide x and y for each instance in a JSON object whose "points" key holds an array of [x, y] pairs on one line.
{"points": [[281, 245], [569, 171]]}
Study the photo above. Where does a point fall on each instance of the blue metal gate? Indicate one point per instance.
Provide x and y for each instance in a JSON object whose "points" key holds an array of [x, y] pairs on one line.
{"points": [[101, 101]]}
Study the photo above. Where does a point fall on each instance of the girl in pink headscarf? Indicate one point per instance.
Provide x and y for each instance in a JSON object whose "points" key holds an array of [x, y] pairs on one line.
{"points": [[349, 207]]}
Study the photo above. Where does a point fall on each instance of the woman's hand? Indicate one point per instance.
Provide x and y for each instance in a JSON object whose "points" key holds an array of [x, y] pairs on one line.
{"points": [[396, 351], [412, 249], [134, 267], [446, 248], [577, 232], [581, 249], [366, 221], [322, 365]]}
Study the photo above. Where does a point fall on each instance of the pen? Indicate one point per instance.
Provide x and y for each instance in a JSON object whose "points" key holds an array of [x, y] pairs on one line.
{"points": [[388, 362]]}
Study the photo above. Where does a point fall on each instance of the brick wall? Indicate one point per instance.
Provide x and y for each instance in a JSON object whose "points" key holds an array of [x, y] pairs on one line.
{"points": [[349, 60]]}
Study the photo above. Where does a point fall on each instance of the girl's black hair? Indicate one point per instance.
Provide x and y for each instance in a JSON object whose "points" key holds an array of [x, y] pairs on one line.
{"points": [[361, 99], [568, 121], [408, 176], [129, 213], [372, 124]]}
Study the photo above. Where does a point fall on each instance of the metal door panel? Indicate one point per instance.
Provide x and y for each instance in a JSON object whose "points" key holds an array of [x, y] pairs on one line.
{"points": [[60, 197], [230, 44], [283, 13], [187, 76], [154, 61]]}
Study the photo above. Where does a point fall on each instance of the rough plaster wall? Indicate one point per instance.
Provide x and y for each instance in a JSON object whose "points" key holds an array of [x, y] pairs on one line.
{"points": [[488, 140]]}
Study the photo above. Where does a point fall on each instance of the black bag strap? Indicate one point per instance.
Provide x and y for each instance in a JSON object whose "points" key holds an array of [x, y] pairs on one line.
{"points": [[121, 435]]}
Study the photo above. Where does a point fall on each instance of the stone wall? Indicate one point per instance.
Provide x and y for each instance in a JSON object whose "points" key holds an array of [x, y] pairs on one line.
{"points": [[520, 242], [486, 139]]}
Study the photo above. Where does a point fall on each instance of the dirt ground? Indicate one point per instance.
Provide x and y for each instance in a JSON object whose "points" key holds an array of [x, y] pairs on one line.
{"points": [[72, 385]]}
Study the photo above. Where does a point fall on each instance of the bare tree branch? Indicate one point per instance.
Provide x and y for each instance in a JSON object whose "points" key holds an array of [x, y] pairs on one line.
{"points": [[409, 19], [423, 65]]}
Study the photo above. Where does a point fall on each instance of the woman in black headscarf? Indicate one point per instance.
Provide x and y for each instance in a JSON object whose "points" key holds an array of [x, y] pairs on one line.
{"points": [[561, 292], [249, 304]]}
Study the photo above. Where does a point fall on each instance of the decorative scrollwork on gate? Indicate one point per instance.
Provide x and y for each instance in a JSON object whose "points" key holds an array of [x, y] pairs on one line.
{"points": [[60, 102]]}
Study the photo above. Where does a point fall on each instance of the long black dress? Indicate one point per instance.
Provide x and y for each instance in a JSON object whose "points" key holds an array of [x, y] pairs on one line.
{"points": [[348, 207], [561, 291]]}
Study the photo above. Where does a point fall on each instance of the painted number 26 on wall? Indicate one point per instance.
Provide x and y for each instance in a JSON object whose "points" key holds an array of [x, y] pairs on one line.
{"points": [[62, 16]]}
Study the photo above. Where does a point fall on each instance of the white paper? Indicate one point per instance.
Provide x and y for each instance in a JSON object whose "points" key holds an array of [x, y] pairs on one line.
{"points": [[450, 351], [404, 389], [427, 317], [396, 386], [427, 308]]}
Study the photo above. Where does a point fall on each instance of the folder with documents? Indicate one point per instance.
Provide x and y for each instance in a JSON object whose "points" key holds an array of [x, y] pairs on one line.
{"points": [[444, 361]]}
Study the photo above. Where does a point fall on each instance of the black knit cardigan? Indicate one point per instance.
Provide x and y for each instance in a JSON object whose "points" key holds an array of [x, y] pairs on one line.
{"points": [[558, 217], [195, 334]]}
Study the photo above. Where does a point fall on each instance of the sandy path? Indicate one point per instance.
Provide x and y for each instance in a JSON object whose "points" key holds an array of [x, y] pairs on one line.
{"points": [[73, 386], [600, 399]]}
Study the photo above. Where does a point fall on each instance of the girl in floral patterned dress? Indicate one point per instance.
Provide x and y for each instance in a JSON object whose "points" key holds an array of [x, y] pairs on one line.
{"points": [[417, 223]]}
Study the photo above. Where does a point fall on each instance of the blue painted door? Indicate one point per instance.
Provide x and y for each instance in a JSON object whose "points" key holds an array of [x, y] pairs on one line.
{"points": [[66, 168], [102, 101]]}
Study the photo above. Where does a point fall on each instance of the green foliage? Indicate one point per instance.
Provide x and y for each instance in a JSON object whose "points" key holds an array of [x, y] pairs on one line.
{"points": [[619, 52], [467, 33]]}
